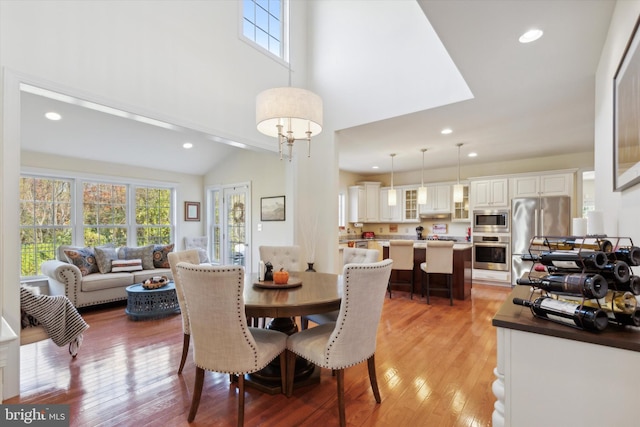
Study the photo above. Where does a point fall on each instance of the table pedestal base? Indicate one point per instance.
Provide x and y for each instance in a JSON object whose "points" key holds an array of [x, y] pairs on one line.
{"points": [[268, 379]]}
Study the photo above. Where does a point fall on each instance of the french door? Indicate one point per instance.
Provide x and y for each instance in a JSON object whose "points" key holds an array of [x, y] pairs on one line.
{"points": [[230, 224]]}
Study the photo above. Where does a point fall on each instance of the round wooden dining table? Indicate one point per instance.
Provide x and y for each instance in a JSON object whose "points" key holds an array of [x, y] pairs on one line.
{"points": [[317, 293]]}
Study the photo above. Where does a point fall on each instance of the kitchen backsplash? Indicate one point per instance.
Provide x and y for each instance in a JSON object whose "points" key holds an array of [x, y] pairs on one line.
{"points": [[456, 230]]}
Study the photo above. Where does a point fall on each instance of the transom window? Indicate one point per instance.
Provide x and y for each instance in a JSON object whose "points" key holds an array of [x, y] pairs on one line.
{"points": [[262, 23]]}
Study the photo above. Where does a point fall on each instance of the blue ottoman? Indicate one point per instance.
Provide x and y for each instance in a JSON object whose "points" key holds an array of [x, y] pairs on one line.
{"points": [[146, 304]]}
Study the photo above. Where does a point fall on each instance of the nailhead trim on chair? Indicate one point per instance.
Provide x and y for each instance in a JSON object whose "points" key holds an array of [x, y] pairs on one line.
{"points": [[245, 331], [346, 300]]}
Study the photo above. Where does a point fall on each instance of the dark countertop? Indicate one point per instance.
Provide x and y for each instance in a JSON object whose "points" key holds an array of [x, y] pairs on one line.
{"points": [[520, 318]]}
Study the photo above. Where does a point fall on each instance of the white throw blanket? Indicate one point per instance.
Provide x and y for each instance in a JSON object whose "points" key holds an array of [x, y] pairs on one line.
{"points": [[57, 315]]}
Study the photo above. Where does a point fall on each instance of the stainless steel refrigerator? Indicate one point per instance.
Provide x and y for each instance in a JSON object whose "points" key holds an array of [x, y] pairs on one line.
{"points": [[536, 216]]}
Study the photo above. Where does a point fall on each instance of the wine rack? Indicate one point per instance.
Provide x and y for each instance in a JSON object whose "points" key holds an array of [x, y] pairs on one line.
{"points": [[584, 282]]}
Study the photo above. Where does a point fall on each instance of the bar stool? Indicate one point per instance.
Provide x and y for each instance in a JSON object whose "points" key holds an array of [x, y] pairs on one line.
{"points": [[438, 260], [401, 252]]}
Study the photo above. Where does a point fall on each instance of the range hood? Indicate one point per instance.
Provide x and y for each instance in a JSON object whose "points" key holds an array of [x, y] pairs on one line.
{"points": [[435, 215]]}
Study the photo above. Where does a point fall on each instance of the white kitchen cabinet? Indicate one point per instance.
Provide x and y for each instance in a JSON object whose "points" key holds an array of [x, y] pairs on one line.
{"points": [[438, 199], [364, 202], [409, 205], [390, 213], [490, 193], [542, 185], [460, 210]]}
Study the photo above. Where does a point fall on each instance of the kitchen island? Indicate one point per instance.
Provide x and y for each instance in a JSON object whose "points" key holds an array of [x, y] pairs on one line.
{"points": [[550, 374], [461, 271]]}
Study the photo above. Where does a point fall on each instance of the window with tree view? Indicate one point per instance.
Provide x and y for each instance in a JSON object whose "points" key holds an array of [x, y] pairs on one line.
{"points": [[153, 215], [46, 218], [104, 211], [121, 214]]}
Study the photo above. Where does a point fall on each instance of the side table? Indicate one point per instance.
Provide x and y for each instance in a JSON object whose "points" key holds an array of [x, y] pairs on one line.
{"points": [[146, 304]]}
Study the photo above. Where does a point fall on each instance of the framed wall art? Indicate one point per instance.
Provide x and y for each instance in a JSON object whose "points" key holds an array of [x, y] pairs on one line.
{"points": [[626, 116], [192, 211], [272, 208]]}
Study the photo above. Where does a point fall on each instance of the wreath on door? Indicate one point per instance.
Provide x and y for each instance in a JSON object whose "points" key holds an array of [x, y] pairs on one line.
{"points": [[237, 212]]}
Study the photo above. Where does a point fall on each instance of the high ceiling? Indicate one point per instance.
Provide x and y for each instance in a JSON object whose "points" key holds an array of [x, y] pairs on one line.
{"points": [[526, 100]]}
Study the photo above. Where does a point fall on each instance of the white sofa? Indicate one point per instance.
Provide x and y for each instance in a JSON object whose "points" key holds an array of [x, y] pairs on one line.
{"points": [[95, 288]]}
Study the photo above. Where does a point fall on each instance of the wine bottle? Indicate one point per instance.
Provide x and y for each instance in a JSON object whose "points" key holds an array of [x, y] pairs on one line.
{"points": [[566, 312], [632, 285], [628, 254], [588, 285], [632, 319], [574, 243], [570, 259], [617, 271], [613, 302]]}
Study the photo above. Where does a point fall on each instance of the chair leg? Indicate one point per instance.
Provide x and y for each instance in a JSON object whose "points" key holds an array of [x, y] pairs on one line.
{"points": [[291, 363], [389, 288], [283, 372], [304, 323], [343, 418], [197, 393], [427, 288], [422, 284], [240, 400], [371, 364], [185, 350], [411, 284]]}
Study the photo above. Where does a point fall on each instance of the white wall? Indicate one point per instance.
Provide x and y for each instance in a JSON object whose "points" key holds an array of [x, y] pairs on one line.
{"points": [[620, 209]]}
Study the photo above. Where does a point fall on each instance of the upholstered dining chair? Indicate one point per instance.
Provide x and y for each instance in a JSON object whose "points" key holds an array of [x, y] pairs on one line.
{"points": [[352, 338], [287, 257], [438, 260], [201, 244], [191, 256], [349, 256], [401, 252], [222, 340]]}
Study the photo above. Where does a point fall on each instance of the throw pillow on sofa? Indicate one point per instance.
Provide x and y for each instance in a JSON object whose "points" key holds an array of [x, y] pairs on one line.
{"points": [[84, 259], [161, 255], [126, 265], [145, 253], [104, 257]]}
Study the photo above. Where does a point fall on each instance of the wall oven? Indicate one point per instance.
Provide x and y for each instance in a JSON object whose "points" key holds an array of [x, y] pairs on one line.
{"points": [[491, 221], [491, 252]]}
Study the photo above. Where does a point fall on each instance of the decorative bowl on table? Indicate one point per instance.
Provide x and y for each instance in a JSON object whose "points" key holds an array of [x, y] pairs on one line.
{"points": [[155, 282]]}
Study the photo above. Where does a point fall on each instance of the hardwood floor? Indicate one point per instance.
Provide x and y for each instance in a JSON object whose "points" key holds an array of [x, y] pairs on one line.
{"points": [[434, 365]]}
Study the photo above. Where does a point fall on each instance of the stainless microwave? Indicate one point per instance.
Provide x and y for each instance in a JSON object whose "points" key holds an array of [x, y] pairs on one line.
{"points": [[491, 221]]}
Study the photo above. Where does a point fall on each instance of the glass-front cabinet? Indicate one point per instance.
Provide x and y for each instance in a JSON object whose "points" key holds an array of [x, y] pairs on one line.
{"points": [[410, 205], [460, 211]]}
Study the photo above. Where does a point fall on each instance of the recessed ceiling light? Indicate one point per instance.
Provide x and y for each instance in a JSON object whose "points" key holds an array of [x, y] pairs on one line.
{"points": [[472, 154], [375, 167], [187, 145], [446, 131], [51, 115], [530, 36]]}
